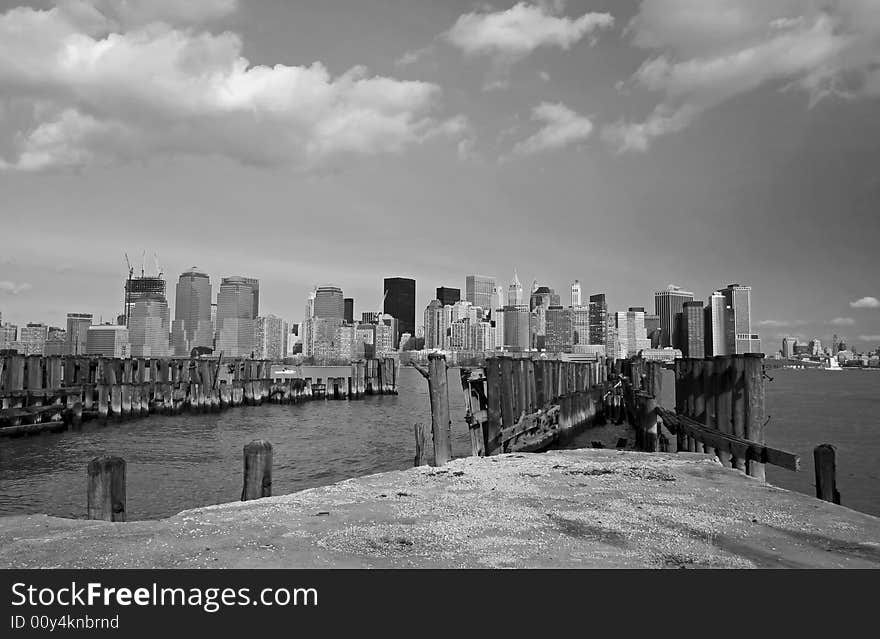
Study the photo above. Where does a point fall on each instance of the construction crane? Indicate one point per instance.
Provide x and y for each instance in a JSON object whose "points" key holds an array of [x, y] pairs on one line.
{"points": [[128, 288], [158, 268]]}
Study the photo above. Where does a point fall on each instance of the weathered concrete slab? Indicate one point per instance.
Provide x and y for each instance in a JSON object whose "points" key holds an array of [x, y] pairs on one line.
{"points": [[569, 508]]}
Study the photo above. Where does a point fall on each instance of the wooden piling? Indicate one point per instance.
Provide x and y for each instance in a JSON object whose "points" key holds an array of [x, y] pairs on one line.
{"points": [[723, 402], [709, 399], [493, 425], [825, 460], [738, 410], [649, 408], [438, 389], [421, 432], [106, 489], [257, 477], [754, 417]]}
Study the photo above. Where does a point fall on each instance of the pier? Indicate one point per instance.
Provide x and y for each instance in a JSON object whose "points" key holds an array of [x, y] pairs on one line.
{"points": [[52, 393]]}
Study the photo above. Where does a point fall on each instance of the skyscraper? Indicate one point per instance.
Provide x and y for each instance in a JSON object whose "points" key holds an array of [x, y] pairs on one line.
{"points": [[108, 341], [348, 310], [329, 302], [192, 313], [666, 304], [235, 317], [516, 328], [738, 330], [558, 336], [77, 332], [598, 319], [149, 325], [788, 347], [32, 339], [575, 293], [143, 287], [693, 330], [400, 303], [271, 337], [479, 290], [715, 333], [515, 291], [433, 325], [449, 296]]}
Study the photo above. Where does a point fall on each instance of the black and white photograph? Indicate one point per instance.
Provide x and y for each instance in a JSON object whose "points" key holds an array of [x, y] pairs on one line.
{"points": [[436, 284]]}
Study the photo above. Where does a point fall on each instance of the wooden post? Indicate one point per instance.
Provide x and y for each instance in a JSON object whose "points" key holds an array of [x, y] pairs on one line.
{"points": [[106, 489], [723, 402], [738, 413], [709, 398], [754, 419], [824, 458], [438, 389], [257, 470], [650, 427], [421, 433], [492, 428]]}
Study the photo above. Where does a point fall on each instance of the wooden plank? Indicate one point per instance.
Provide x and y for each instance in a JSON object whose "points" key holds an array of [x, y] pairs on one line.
{"points": [[493, 424]]}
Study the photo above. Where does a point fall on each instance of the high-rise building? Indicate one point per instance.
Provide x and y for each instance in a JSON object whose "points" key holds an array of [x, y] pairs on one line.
{"points": [[192, 325], [449, 296], [788, 347], [575, 293], [143, 287], [515, 291], [630, 332], [348, 310], [693, 330], [558, 336], [516, 328], [271, 337], [400, 303], [108, 340], [739, 336], [433, 323], [666, 304], [236, 325], [715, 332], [32, 339], [580, 325], [370, 317], [598, 319], [479, 291], [56, 341], [77, 332], [329, 302], [8, 334], [149, 326]]}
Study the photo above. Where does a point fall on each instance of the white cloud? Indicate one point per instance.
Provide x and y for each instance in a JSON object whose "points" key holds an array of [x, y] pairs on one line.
{"points": [[870, 338], [516, 32], [412, 57], [11, 288], [708, 51], [544, 76], [772, 323], [85, 93], [843, 321], [866, 302], [562, 127]]}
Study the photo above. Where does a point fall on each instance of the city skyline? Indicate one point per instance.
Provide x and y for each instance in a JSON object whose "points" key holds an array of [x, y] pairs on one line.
{"points": [[752, 176]]}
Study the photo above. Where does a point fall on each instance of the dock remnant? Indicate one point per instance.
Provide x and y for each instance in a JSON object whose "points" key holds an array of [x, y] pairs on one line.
{"points": [[105, 495], [257, 475], [825, 460]]}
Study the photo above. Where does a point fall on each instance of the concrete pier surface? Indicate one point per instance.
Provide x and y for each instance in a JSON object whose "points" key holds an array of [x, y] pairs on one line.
{"points": [[589, 508]]}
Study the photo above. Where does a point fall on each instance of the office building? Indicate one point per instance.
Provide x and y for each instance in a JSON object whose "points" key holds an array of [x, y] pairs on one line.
{"points": [[515, 291], [32, 339], [8, 335], [329, 302], [271, 337], [108, 340], [629, 333], [666, 304], [580, 325], [449, 296], [370, 317], [598, 311], [236, 324], [575, 293], [77, 332], [149, 326], [715, 331], [141, 288], [192, 327], [433, 322], [788, 347], [516, 328], [738, 329], [558, 336], [400, 303], [480, 290], [348, 310], [693, 330]]}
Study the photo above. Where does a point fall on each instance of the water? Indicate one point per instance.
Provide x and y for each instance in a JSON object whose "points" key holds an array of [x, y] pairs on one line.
{"points": [[186, 461]]}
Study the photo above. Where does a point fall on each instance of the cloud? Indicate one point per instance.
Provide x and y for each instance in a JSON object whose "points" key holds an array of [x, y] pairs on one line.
{"points": [[866, 302], [544, 76], [516, 32], [412, 57], [706, 52], [77, 91], [870, 338], [772, 323], [843, 321], [562, 127], [11, 288]]}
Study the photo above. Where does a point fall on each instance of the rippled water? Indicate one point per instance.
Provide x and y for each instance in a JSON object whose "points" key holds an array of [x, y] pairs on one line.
{"points": [[190, 460]]}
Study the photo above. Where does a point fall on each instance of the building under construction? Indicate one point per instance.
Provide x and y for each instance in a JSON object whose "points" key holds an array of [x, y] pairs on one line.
{"points": [[141, 288]]}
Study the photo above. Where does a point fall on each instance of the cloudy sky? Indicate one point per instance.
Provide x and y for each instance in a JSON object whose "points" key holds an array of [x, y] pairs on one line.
{"points": [[626, 144]]}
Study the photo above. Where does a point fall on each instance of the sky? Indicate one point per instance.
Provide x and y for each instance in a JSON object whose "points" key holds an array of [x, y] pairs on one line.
{"points": [[629, 145]]}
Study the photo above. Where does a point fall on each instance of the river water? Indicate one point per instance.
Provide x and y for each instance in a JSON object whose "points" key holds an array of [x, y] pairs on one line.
{"points": [[178, 462]]}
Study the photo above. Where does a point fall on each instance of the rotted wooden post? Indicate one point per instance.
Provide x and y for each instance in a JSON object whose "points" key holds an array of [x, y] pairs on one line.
{"points": [[708, 366], [257, 470], [492, 427], [438, 389], [650, 402], [421, 433], [106, 489], [825, 461], [738, 412], [754, 418], [680, 438], [723, 402]]}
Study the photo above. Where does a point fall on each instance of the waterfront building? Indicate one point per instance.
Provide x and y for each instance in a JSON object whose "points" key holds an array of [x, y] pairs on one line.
{"points": [[449, 296], [666, 304], [515, 291], [32, 339], [516, 328], [788, 347], [594, 351], [715, 327], [77, 332], [661, 354], [693, 330], [575, 293], [8, 335], [400, 303], [348, 310], [236, 322], [738, 334], [108, 340], [630, 332], [271, 337], [479, 291], [434, 314], [192, 325], [149, 325], [558, 337], [56, 341], [386, 334], [580, 325], [598, 319]]}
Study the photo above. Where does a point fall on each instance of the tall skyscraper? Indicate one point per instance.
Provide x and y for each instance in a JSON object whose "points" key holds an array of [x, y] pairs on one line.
{"points": [[598, 319], [449, 296], [715, 332], [788, 347], [329, 302], [558, 336], [630, 332], [516, 328], [271, 337], [77, 332], [479, 291], [348, 310], [666, 304], [575, 293], [433, 325], [693, 330], [143, 287], [400, 303], [149, 326], [236, 325], [580, 325], [738, 330], [108, 341], [192, 313], [515, 291]]}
